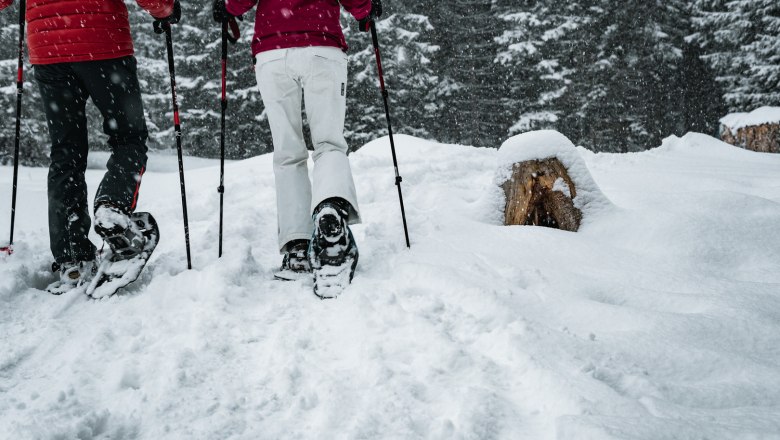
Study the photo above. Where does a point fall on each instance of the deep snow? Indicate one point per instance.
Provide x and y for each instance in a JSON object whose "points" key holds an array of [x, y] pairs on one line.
{"points": [[660, 319]]}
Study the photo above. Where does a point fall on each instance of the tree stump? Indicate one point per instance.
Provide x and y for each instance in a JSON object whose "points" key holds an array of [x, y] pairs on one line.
{"points": [[540, 192]]}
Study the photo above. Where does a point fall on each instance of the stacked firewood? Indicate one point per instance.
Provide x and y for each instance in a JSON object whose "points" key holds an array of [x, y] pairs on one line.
{"points": [[763, 138], [756, 131]]}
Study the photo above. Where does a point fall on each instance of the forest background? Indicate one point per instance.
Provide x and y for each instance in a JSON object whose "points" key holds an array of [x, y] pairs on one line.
{"points": [[613, 76]]}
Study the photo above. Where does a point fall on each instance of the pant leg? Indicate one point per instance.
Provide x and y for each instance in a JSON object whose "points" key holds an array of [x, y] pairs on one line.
{"points": [[281, 93], [113, 86], [64, 98], [325, 90]]}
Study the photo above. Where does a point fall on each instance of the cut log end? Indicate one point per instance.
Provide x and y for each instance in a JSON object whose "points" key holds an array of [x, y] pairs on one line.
{"points": [[541, 193]]}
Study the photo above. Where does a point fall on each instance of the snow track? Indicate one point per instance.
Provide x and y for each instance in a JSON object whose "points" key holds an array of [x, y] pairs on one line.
{"points": [[660, 319]]}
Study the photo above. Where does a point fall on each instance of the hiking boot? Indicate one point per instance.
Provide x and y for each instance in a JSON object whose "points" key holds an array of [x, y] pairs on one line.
{"points": [[123, 236], [295, 264], [295, 258], [72, 276]]}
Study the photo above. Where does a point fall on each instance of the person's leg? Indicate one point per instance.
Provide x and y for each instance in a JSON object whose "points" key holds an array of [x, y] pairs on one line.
{"points": [[64, 98], [281, 93], [325, 90], [113, 86]]}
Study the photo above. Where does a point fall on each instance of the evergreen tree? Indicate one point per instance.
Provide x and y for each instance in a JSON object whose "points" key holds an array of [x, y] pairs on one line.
{"points": [[613, 76], [533, 52], [413, 86], [197, 51], [760, 85], [467, 31], [720, 39], [34, 133], [741, 41], [625, 88], [702, 103]]}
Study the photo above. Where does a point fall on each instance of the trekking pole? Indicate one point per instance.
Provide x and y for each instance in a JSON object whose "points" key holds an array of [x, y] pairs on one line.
{"points": [[226, 36], [398, 178], [19, 90], [166, 27]]}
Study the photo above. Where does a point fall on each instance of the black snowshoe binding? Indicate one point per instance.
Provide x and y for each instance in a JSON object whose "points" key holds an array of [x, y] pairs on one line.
{"points": [[333, 254], [73, 276], [295, 264], [131, 241]]}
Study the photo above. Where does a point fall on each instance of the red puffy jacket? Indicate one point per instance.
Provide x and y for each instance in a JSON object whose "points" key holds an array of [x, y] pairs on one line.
{"points": [[63, 31], [281, 24]]}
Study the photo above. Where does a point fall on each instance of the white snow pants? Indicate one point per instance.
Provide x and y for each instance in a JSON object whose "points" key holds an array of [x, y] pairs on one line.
{"points": [[319, 76]]}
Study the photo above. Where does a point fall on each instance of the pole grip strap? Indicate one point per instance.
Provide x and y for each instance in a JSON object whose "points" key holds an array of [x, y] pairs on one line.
{"points": [[234, 32]]}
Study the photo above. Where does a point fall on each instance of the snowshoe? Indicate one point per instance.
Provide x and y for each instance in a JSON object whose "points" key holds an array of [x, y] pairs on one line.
{"points": [[333, 253], [73, 276], [128, 252], [118, 231], [295, 264]]}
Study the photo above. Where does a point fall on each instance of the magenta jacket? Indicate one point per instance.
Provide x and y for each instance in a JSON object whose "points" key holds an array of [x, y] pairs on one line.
{"points": [[281, 24]]}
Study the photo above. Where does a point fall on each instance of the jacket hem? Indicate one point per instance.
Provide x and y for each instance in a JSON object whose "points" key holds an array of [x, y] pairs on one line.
{"points": [[80, 58]]}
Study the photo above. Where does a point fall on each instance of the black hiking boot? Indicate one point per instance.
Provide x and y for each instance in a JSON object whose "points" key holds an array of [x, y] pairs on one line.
{"points": [[295, 264], [122, 235], [72, 276]]}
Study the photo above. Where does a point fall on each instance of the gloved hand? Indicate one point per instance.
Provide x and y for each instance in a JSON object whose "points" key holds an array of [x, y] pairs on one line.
{"points": [[221, 13], [376, 11], [175, 17]]}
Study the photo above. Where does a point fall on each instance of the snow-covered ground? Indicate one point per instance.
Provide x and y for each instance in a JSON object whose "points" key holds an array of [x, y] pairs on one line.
{"points": [[660, 319]]}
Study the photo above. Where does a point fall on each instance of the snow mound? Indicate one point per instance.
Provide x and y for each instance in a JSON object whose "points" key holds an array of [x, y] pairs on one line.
{"points": [[544, 144], [697, 144], [702, 145], [759, 116], [540, 144]]}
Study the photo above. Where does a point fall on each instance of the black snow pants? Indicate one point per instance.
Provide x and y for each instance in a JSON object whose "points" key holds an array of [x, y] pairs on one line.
{"points": [[65, 88]]}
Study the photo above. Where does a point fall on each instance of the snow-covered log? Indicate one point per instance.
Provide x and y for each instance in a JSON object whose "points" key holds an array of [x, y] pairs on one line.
{"points": [[540, 193], [758, 130], [545, 181]]}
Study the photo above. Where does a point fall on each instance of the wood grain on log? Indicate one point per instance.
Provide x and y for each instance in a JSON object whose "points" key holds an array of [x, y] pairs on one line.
{"points": [[540, 193]]}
